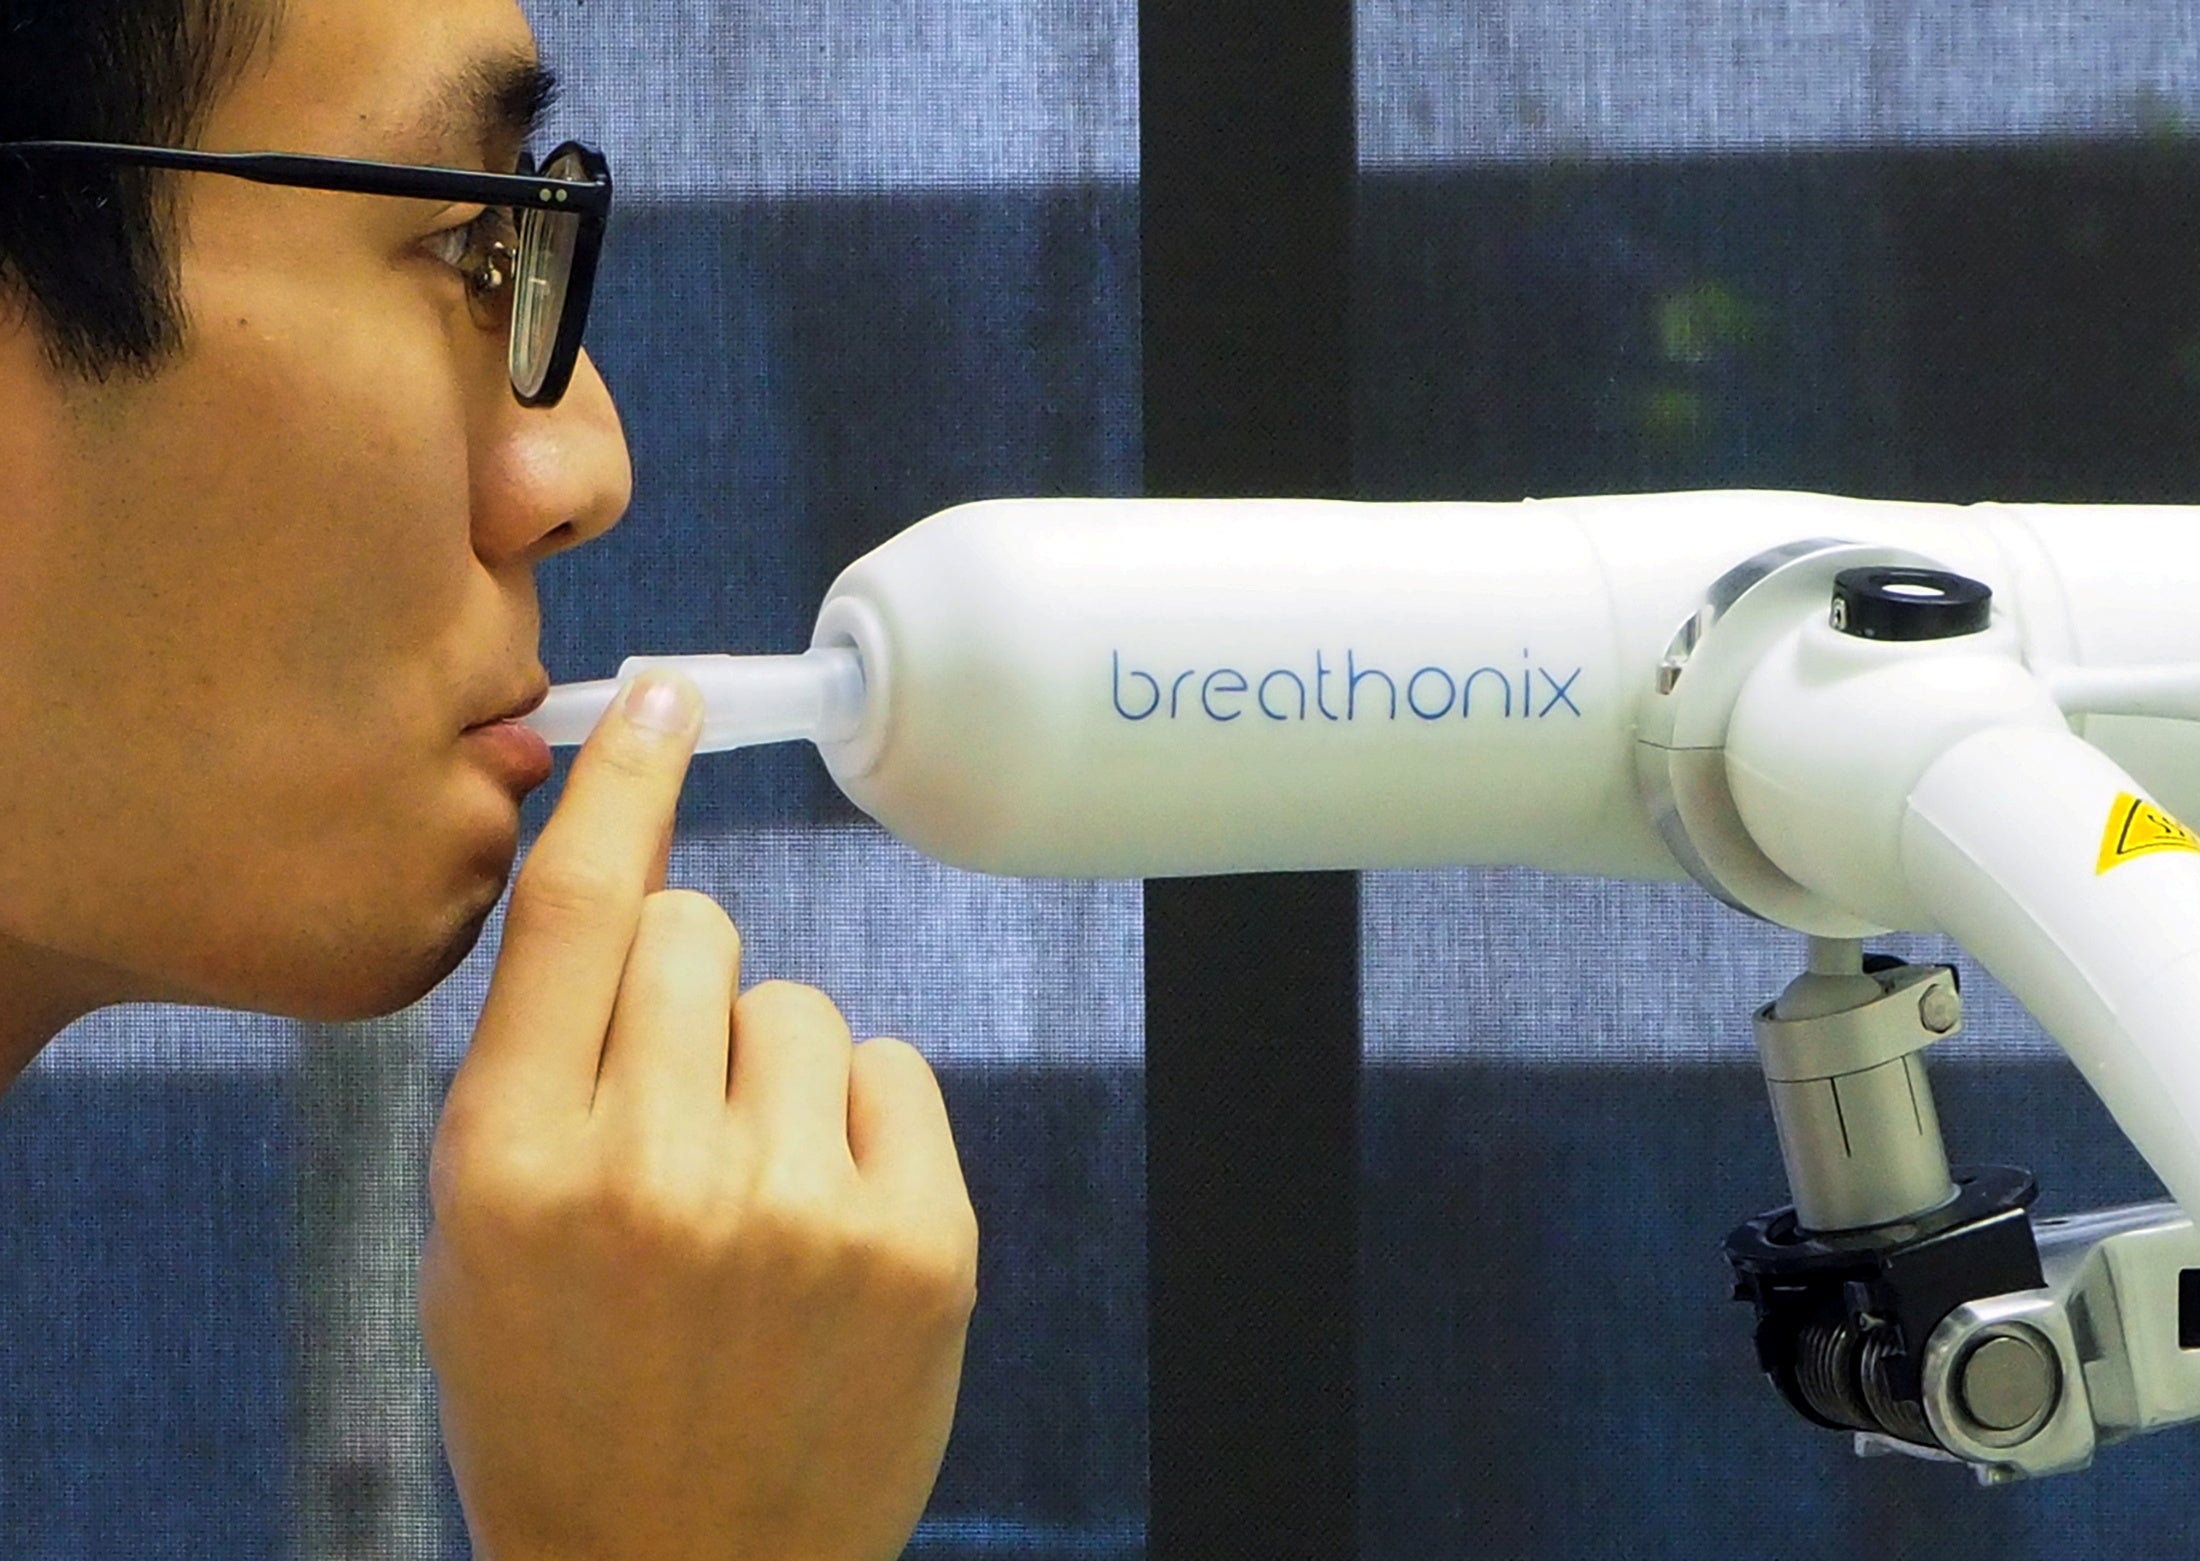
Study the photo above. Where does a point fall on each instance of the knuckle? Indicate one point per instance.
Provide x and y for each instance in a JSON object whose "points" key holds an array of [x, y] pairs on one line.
{"points": [[491, 1193], [797, 1204], [791, 1003], [556, 892], [896, 1065], [689, 918], [933, 1273], [959, 1244], [662, 1205], [963, 1235]]}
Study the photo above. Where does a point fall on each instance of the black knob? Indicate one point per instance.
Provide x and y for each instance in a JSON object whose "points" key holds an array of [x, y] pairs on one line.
{"points": [[1909, 604]]}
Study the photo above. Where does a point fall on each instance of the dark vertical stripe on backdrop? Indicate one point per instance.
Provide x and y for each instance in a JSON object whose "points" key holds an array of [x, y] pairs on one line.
{"points": [[1252, 984]]}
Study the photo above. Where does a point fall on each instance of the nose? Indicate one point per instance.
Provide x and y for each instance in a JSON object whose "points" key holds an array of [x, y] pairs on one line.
{"points": [[548, 479]]}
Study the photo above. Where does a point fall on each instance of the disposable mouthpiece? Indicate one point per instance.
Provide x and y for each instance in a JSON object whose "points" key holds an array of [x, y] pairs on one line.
{"points": [[747, 700]]}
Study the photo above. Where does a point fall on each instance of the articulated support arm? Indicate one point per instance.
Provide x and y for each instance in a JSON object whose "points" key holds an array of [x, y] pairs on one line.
{"points": [[1845, 741], [1926, 1311]]}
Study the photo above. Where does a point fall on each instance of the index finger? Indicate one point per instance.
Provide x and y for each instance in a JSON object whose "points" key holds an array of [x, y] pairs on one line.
{"points": [[578, 900]]}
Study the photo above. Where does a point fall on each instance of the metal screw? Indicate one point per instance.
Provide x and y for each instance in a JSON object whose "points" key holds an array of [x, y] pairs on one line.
{"points": [[2006, 1383], [1939, 1008]]}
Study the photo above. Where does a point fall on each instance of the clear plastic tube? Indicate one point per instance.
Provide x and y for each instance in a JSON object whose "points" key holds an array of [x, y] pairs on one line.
{"points": [[747, 700]]}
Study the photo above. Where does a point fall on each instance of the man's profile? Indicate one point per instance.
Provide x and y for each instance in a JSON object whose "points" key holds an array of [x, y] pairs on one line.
{"points": [[282, 458]]}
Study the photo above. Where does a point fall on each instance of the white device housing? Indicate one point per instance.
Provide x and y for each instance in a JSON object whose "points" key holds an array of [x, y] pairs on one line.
{"points": [[1128, 688], [1055, 684]]}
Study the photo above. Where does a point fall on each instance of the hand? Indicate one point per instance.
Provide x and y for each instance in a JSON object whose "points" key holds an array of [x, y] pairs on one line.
{"points": [[701, 1269]]}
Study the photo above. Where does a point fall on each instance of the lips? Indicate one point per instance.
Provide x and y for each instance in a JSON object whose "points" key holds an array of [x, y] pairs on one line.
{"points": [[525, 705], [516, 756]]}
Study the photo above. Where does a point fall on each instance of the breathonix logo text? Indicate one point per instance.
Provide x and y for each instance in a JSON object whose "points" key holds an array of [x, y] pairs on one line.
{"points": [[1345, 691]]}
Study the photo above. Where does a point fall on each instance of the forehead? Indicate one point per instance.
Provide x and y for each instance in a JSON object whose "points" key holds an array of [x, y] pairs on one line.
{"points": [[377, 79]]}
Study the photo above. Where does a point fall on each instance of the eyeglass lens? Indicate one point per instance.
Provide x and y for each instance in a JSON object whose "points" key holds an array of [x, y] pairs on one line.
{"points": [[547, 241]]}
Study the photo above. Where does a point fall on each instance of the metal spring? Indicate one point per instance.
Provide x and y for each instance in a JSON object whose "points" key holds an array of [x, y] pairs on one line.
{"points": [[1826, 1353], [1846, 1376], [1897, 1416]]}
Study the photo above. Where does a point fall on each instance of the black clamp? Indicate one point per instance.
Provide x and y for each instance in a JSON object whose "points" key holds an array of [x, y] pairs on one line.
{"points": [[1843, 1317]]}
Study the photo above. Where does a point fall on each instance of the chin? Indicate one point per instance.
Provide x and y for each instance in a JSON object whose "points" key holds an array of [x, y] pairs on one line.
{"points": [[375, 977], [348, 935]]}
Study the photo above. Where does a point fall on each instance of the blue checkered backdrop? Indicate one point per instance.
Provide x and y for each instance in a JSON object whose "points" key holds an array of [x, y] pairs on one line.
{"points": [[873, 258]]}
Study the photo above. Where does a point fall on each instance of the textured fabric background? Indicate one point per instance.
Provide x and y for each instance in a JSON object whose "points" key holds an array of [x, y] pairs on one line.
{"points": [[1508, 80], [880, 257]]}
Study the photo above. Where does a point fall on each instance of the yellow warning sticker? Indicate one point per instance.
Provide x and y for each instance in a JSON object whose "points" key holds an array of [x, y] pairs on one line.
{"points": [[2136, 827]]}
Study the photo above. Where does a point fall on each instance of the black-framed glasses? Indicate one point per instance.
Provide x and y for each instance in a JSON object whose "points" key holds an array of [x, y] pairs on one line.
{"points": [[531, 268]]}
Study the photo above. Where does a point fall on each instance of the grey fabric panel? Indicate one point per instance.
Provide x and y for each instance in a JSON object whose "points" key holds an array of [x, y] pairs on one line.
{"points": [[972, 971], [1524, 969], [367, 1466], [706, 97], [1512, 80], [150, 1038]]}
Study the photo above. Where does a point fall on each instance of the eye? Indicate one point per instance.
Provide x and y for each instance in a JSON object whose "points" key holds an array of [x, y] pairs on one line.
{"points": [[480, 249], [485, 254], [453, 245]]}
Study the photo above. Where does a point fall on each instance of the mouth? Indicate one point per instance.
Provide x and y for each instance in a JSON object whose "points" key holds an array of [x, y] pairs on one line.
{"points": [[525, 705]]}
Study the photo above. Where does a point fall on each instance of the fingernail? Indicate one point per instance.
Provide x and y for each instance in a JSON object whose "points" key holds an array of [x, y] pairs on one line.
{"points": [[662, 702]]}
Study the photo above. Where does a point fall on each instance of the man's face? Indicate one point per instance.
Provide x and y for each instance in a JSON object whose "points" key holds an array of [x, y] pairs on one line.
{"points": [[248, 607]]}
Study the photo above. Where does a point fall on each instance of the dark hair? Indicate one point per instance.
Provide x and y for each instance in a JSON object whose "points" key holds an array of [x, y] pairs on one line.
{"points": [[89, 249]]}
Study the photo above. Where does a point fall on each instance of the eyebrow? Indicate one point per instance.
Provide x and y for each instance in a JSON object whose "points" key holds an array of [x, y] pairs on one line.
{"points": [[500, 100]]}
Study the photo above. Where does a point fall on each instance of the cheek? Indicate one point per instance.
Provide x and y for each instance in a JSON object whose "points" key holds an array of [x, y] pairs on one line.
{"points": [[325, 537], [247, 600]]}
